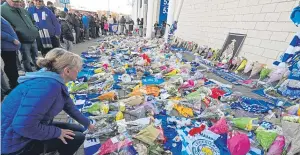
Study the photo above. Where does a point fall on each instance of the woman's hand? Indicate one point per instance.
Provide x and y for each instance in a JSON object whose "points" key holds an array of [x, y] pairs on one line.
{"points": [[16, 42], [65, 133], [91, 127]]}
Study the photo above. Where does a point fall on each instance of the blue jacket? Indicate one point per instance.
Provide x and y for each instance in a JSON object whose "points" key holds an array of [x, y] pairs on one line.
{"points": [[51, 23], [85, 21], [8, 35], [29, 109]]}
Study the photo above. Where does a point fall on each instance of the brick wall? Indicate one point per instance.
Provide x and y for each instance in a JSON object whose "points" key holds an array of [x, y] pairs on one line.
{"points": [[266, 23]]}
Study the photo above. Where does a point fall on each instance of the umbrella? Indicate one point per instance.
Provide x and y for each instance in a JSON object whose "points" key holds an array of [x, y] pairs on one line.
{"points": [[257, 67]]}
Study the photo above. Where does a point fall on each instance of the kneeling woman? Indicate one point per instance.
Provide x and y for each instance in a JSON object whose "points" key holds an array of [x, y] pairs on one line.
{"points": [[27, 112]]}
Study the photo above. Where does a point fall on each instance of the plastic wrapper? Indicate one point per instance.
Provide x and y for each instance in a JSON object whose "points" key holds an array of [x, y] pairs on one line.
{"points": [[141, 149], [104, 109], [172, 73], [220, 127], [264, 73], [187, 84], [148, 135], [291, 132], [184, 111], [78, 87], [242, 66], [277, 146], [277, 74], [265, 137], [133, 101], [248, 67], [94, 109], [115, 144], [245, 123], [119, 116], [292, 118], [257, 67], [238, 144], [99, 70], [293, 110], [131, 115], [110, 96]]}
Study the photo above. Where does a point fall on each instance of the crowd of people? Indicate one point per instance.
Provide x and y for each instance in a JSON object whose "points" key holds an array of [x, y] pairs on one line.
{"points": [[27, 29], [32, 101]]}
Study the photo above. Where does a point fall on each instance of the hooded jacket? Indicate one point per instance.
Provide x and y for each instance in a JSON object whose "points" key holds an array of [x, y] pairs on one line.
{"points": [[85, 21], [27, 112]]}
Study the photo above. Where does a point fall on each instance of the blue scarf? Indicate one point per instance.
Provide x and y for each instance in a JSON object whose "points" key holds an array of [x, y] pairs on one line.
{"points": [[40, 20]]}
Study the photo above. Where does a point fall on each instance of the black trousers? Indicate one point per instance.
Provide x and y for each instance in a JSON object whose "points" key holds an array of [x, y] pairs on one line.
{"points": [[10, 67], [55, 43], [77, 31], [37, 147], [97, 32]]}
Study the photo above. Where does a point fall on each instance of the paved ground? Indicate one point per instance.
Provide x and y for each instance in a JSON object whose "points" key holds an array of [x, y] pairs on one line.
{"points": [[84, 46]]}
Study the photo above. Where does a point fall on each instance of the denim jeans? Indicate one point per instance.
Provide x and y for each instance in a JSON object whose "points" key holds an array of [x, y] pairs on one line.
{"points": [[87, 33], [29, 53], [36, 147], [68, 44]]}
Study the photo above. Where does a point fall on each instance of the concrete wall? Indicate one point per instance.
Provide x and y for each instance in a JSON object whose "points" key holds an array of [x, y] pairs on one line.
{"points": [[266, 22]]}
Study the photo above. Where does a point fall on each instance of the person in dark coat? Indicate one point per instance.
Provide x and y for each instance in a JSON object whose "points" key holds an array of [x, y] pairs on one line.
{"points": [[92, 26], [156, 28], [66, 30], [76, 26], [27, 112], [27, 32], [103, 18]]}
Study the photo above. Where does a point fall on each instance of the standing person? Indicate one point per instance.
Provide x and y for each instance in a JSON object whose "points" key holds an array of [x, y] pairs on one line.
{"points": [[122, 24], [106, 26], [9, 47], [51, 7], [27, 112], [27, 32], [81, 28], [77, 28], [103, 18], [85, 22], [156, 28], [141, 27], [49, 27], [97, 26], [93, 26], [110, 23], [163, 29], [138, 21], [66, 30]]}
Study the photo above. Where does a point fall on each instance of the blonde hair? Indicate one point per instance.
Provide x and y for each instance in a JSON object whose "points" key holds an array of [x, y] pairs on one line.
{"points": [[57, 59]]}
